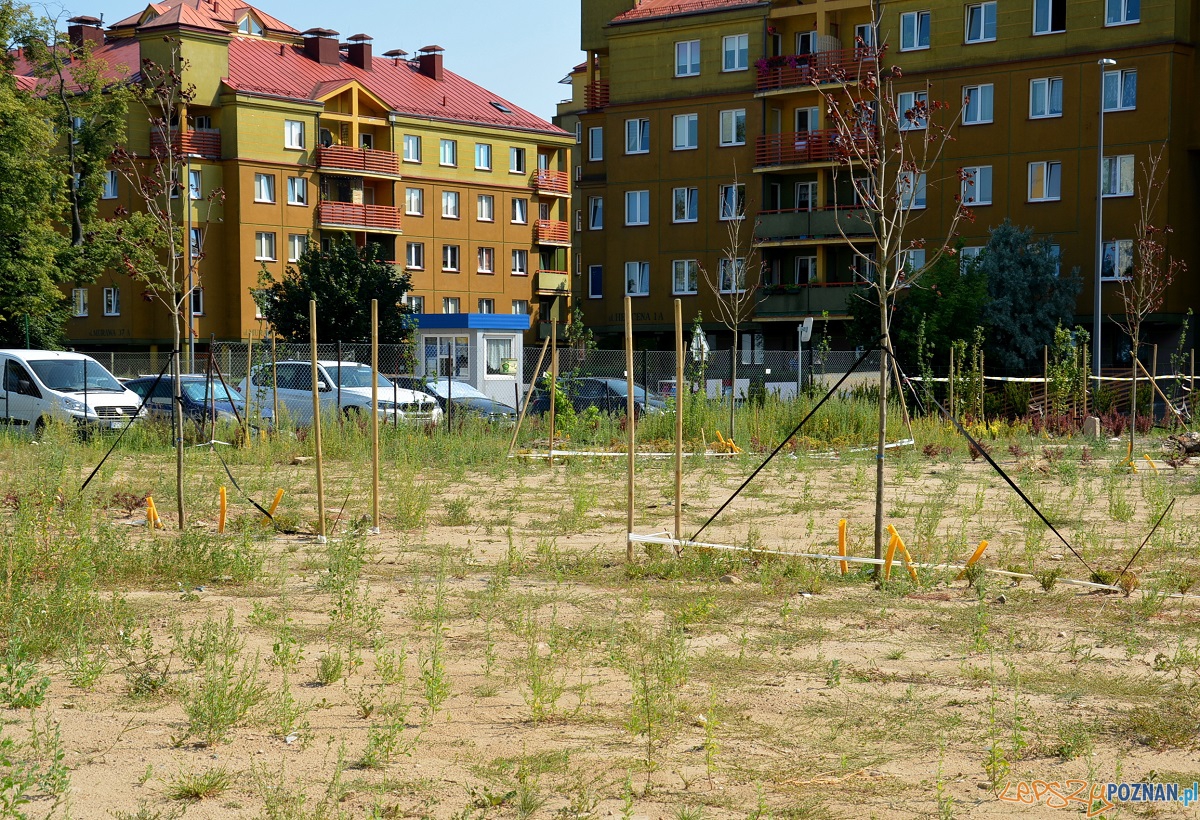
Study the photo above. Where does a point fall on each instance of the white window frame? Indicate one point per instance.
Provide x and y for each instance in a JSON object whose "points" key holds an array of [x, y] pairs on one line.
{"points": [[450, 258], [486, 207], [79, 302], [516, 160], [1048, 26], [1118, 250], [297, 242], [1118, 175], [448, 153], [596, 143], [735, 52], [977, 185], [729, 210], [807, 276], [1122, 17], [297, 191], [986, 13], [637, 136], [687, 58], [983, 98], [687, 272], [450, 203], [412, 148], [520, 262], [1046, 170], [690, 202], [731, 275], [483, 156], [196, 244], [112, 301], [485, 260], [728, 133], [264, 246], [595, 277], [195, 183], [520, 307], [451, 305], [1045, 87], [907, 101], [520, 211], [1121, 78], [687, 125], [416, 304], [911, 30], [913, 192], [489, 306], [414, 201], [637, 207], [595, 213], [197, 297], [293, 135], [264, 188], [110, 189], [414, 255], [637, 278]]}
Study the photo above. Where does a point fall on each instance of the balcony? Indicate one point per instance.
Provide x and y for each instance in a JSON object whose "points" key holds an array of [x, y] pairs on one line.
{"points": [[595, 95], [552, 183], [800, 226], [551, 232], [361, 161], [804, 147], [358, 217], [203, 142], [776, 74], [813, 299], [552, 283]]}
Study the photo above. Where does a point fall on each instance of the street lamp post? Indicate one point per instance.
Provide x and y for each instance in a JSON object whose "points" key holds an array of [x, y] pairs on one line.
{"points": [[1104, 63]]}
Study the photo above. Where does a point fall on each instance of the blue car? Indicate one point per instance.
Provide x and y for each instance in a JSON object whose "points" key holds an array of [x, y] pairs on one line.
{"points": [[200, 399]]}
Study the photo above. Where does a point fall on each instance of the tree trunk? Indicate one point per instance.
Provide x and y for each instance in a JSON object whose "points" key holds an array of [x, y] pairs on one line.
{"points": [[733, 382], [177, 421], [882, 442], [1133, 396]]}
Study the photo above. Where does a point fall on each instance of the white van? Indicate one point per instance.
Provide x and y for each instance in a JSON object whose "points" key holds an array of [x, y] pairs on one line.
{"points": [[40, 385], [343, 385]]}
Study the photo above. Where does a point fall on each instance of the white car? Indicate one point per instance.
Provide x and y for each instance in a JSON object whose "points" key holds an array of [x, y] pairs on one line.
{"points": [[342, 385], [40, 385]]}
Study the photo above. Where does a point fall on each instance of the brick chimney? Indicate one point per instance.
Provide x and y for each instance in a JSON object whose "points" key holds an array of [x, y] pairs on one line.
{"points": [[321, 46], [82, 30], [429, 62], [359, 51]]}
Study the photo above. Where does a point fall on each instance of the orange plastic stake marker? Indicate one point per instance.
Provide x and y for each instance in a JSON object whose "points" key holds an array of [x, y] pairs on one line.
{"points": [[221, 517], [887, 559], [842, 544], [275, 503], [975, 556]]}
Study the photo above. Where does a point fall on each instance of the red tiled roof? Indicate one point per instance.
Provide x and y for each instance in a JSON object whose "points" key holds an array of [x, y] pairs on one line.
{"points": [[26, 83], [214, 15], [649, 9], [121, 60], [183, 15], [257, 67]]}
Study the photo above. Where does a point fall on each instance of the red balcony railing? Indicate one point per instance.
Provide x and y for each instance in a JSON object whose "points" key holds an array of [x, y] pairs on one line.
{"points": [[552, 182], [798, 147], [846, 66], [362, 160], [551, 232], [205, 142], [353, 215], [595, 94]]}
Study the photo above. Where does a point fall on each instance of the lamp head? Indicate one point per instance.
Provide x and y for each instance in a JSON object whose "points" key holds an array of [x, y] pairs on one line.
{"points": [[1106, 61]]}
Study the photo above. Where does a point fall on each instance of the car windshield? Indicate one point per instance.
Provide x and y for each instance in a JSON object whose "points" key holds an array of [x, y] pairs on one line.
{"points": [[68, 375], [457, 390], [354, 375], [216, 391], [618, 387]]}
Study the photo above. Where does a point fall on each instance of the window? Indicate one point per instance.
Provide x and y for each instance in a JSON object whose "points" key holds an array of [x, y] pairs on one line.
{"points": [[483, 156], [968, 257], [520, 211], [578, 133], [1118, 175], [911, 107], [806, 119], [733, 127], [981, 22], [637, 278], [297, 244], [687, 58], [448, 153], [911, 190], [596, 143], [1056, 254], [731, 275], [415, 303], [450, 204], [686, 130], [293, 134], [911, 260], [1118, 12], [637, 136], [248, 25], [686, 206], [1118, 260], [914, 30], [516, 160], [736, 51], [297, 191], [112, 301], [450, 304], [520, 307], [806, 196], [1120, 90], [414, 255], [489, 306], [412, 148], [264, 187], [1049, 16], [637, 207], [110, 185], [1045, 97], [977, 105], [197, 295], [685, 277], [195, 184], [806, 269], [450, 257], [595, 213], [864, 33], [733, 201], [487, 260], [1045, 181], [487, 208], [264, 246], [202, 122], [752, 348], [595, 281], [578, 220], [520, 263], [977, 185], [414, 201], [197, 241], [79, 302]]}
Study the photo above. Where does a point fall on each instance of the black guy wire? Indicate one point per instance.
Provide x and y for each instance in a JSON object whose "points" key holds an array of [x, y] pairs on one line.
{"points": [[121, 435], [1146, 540]]}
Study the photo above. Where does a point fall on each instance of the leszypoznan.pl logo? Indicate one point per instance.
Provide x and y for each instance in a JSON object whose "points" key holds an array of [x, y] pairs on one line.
{"points": [[1096, 798]]}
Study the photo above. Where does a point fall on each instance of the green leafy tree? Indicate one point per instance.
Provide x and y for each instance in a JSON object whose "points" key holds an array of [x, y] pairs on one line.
{"points": [[1028, 298], [950, 299], [342, 281]]}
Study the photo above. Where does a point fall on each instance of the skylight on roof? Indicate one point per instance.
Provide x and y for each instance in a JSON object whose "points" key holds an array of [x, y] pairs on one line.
{"points": [[501, 107]]}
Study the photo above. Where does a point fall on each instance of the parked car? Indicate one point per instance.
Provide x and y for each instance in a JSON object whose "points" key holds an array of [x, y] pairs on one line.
{"points": [[199, 399], [606, 395], [40, 385], [459, 397], [342, 385]]}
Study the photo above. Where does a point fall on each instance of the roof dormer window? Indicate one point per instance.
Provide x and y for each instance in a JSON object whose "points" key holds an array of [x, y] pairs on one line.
{"points": [[248, 25]]}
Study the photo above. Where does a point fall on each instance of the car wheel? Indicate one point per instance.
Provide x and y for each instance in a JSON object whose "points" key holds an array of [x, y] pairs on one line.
{"points": [[39, 428], [352, 413]]}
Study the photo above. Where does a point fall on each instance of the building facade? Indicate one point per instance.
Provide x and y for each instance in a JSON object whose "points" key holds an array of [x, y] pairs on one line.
{"points": [[312, 139]]}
